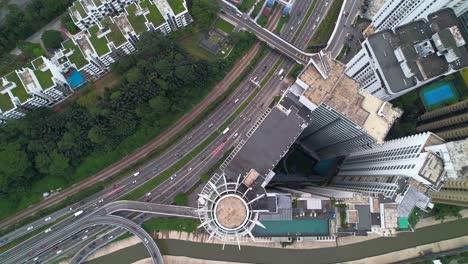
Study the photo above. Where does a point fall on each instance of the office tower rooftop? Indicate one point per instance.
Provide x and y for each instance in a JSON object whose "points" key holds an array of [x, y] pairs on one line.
{"points": [[341, 93]]}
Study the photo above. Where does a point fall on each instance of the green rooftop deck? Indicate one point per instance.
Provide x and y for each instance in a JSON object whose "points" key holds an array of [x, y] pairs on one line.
{"points": [[77, 57], [37, 62], [5, 102], [137, 21], [115, 35], [19, 91], [44, 78], [99, 44], [177, 6], [154, 16], [77, 7]]}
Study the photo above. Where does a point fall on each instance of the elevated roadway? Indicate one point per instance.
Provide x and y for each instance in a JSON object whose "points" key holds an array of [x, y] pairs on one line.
{"points": [[128, 225], [273, 40]]}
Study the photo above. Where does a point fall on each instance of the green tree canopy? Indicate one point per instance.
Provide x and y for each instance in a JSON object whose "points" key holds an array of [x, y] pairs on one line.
{"points": [[68, 24], [52, 39]]}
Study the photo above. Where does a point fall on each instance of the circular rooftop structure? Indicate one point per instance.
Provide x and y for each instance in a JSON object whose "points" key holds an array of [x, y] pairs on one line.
{"points": [[230, 212], [225, 210]]}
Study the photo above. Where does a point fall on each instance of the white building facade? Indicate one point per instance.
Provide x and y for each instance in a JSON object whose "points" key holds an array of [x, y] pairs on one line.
{"points": [[405, 157], [397, 12]]}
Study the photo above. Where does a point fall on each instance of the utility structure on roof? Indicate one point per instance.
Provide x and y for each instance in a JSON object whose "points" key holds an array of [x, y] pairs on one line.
{"points": [[394, 62]]}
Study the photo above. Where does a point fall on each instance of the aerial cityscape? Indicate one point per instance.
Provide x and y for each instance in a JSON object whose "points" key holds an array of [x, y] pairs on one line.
{"points": [[233, 131]]}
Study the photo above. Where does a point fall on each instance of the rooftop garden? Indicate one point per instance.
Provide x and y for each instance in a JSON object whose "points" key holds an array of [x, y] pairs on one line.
{"points": [[5, 102], [99, 44], [77, 57], [137, 21], [38, 62], [115, 35], [77, 7], [44, 78], [19, 91], [154, 16], [177, 6]]}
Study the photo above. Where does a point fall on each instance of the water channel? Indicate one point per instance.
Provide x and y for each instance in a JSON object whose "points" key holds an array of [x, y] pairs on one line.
{"points": [[373, 247]]}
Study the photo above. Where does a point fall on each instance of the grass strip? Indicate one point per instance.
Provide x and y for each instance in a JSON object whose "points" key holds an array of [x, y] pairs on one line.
{"points": [[148, 186], [151, 184], [325, 29], [343, 52], [207, 175], [304, 21], [171, 223], [283, 20]]}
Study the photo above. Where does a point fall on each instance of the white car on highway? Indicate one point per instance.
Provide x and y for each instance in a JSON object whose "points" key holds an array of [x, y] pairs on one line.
{"points": [[47, 230], [148, 194], [47, 218], [30, 228]]}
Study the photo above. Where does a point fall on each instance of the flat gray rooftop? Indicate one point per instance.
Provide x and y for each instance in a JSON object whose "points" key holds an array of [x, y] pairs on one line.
{"points": [[268, 144], [422, 64]]}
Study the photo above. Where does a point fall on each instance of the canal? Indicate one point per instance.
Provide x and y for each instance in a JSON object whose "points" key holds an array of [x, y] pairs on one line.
{"points": [[373, 247]]}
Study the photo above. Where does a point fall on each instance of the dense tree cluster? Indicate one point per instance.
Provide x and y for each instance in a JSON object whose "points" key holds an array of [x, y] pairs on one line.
{"points": [[204, 12], [158, 84], [20, 24], [52, 39]]}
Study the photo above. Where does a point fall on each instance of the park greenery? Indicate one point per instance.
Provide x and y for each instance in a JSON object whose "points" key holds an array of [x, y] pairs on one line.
{"points": [[413, 108], [442, 211], [159, 84]]}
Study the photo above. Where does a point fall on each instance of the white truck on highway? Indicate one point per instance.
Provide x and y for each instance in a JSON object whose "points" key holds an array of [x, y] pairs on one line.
{"points": [[281, 72], [78, 213], [226, 130]]}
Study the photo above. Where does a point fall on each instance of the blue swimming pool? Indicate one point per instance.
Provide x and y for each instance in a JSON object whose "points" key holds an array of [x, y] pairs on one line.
{"points": [[438, 95], [74, 78]]}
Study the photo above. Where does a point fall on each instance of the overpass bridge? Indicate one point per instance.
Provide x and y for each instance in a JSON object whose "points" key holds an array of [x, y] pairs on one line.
{"points": [[104, 216], [230, 12]]}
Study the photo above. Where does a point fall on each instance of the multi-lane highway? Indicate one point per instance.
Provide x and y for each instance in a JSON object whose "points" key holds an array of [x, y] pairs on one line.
{"points": [[182, 180]]}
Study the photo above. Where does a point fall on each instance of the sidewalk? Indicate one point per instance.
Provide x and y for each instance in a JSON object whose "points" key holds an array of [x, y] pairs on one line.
{"points": [[414, 252]]}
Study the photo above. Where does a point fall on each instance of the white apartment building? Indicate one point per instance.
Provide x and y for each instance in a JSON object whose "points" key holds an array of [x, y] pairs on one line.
{"points": [[406, 157], [113, 31], [29, 88], [392, 63], [86, 13], [398, 12]]}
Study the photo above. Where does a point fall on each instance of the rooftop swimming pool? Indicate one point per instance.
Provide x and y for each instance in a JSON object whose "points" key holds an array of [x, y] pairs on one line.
{"points": [[310, 227], [74, 78]]}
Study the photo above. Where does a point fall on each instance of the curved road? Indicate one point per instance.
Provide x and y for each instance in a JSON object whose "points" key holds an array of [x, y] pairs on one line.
{"points": [[124, 223]]}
